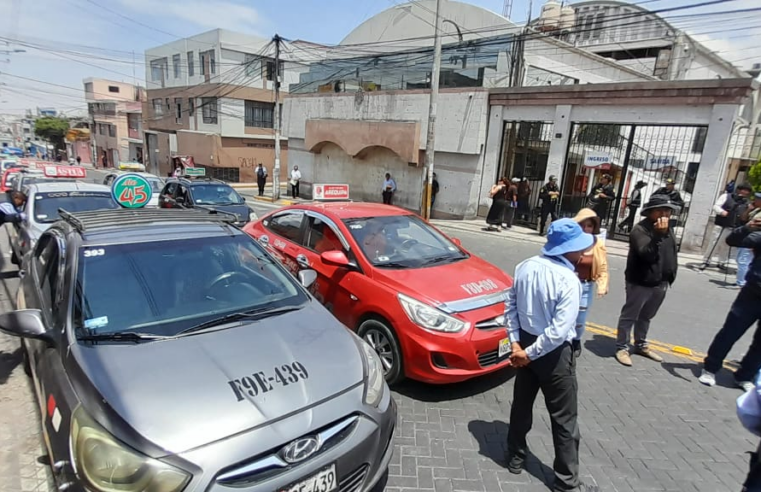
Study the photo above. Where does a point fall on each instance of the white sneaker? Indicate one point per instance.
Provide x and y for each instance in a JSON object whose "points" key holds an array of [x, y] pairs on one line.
{"points": [[707, 378], [746, 385]]}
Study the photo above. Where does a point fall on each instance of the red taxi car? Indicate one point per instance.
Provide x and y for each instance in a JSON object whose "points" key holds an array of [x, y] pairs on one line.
{"points": [[432, 311]]}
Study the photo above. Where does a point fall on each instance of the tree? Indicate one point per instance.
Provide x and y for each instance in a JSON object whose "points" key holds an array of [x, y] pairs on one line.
{"points": [[52, 129], [754, 176]]}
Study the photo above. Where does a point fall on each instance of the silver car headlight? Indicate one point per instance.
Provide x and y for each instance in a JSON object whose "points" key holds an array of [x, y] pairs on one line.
{"points": [[429, 317], [106, 465], [375, 384], [252, 216]]}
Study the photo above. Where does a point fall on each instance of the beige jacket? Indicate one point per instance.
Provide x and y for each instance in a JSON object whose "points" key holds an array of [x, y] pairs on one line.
{"points": [[599, 252]]}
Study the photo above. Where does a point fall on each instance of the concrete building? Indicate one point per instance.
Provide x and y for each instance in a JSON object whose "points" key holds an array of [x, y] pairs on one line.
{"points": [[115, 109], [354, 116], [211, 96]]}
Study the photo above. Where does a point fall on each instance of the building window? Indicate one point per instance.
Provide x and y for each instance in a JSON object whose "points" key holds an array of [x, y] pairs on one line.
{"points": [[259, 114], [113, 88], [191, 68], [158, 70], [208, 63], [176, 65], [178, 110], [111, 130], [209, 107], [101, 129], [158, 109], [252, 64], [191, 106], [88, 87], [269, 70]]}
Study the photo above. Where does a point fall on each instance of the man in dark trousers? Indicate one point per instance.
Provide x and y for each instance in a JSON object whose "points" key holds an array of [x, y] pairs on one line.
{"points": [[745, 311], [650, 270], [550, 195], [261, 178], [434, 189], [512, 203], [541, 311], [632, 206], [602, 195]]}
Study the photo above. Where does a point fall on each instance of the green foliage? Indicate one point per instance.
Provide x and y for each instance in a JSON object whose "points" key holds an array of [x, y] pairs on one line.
{"points": [[52, 129], [754, 176]]}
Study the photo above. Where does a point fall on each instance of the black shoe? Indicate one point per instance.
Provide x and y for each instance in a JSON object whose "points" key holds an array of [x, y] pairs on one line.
{"points": [[515, 465]]}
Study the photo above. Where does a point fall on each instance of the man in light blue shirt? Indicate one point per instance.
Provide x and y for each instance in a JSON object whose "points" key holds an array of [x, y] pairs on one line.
{"points": [[389, 187], [9, 211], [542, 307]]}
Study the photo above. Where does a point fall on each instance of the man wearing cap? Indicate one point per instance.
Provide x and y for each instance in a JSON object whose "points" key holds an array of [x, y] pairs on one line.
{"points": [[670, 191], [650, 269], [541, 313], [634, 203], [601, 196], [550, 194]]}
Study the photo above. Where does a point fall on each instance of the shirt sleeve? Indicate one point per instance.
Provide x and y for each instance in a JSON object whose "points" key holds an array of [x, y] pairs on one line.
{"points": [[511, 317], [563, 321], [7, 209], [749, 411], [718, 206]]}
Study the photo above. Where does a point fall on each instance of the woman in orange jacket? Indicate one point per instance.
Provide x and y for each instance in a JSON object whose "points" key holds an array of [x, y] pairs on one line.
{"points": [[592, 269]]}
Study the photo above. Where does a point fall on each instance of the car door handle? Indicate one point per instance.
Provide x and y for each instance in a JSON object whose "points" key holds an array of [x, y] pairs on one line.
{"points": [[302, 261]]}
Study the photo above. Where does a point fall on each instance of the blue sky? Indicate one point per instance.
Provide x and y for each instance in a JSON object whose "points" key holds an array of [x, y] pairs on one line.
{"points": [[92, 30]]}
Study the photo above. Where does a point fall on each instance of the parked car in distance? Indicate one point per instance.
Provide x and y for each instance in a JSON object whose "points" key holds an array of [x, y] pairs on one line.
{"points": [[433, 311]]}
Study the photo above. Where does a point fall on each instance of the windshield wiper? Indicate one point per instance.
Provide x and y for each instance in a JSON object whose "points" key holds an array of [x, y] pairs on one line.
{"points": [[254, 314], [392, 264], [122, 336], [440, 259]]}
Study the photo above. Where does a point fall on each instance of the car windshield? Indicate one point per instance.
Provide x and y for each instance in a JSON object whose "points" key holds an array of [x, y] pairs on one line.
{"points": [[165, 287], [46, 205], [402, 241], [215, 194]]}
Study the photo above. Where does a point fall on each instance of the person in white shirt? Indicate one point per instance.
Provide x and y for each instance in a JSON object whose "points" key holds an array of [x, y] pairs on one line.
{"points": [[541, 312], [727, 209], [389, 187], [295, 178], [749, 413]]}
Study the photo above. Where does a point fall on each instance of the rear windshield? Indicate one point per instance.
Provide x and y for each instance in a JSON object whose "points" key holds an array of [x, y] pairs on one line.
{"points": [[164, 287], [46, 205], [156, 185], [215, 194]]}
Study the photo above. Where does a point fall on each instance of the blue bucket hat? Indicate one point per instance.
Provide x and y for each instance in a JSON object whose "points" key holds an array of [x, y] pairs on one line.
{"points": [[566, 236]]}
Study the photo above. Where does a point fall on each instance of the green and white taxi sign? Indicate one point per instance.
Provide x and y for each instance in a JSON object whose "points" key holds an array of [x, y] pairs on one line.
{"points": [[131, 191]]}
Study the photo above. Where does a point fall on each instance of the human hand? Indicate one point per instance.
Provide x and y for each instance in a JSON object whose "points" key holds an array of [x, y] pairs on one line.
{"points": [[724, 213], [662, 225], [519, 358], [755, 224], [601, 293]]}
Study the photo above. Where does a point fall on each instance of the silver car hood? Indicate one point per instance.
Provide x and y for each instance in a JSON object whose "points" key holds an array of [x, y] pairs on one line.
{"points": [[179, 394]]}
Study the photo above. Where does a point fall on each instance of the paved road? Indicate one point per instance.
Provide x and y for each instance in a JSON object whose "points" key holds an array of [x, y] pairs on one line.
{"points": [[649, 427]]}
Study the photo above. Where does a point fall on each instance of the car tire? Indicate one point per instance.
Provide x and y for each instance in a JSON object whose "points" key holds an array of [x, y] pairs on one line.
{"points": [[26, 364], [15, 259], [381, 337]]}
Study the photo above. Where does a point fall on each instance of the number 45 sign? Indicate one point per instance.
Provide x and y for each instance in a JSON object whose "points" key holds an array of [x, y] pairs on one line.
{"points": [[131, 191]]}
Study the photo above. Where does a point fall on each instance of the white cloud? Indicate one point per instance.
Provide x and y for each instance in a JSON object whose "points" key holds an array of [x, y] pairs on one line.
{"points": [[209, 14]]}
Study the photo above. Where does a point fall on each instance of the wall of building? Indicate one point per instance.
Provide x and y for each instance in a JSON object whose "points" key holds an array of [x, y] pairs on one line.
{"points": [[201, 42], [101, 90]]}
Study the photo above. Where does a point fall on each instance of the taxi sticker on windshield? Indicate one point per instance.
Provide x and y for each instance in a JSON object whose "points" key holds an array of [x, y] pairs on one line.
{"points": [[383, 258], [259, 382], [355, 226], [96, 322]]}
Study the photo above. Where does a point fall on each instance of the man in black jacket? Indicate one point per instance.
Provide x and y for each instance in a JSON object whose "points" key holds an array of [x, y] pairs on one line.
{"points": [[602, 194], [550, 194], [650, 269], [634, 203], [745, 311]]}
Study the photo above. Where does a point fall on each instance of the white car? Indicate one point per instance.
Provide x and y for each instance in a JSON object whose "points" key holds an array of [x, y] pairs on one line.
{"points": [[42, 205], [157, 184]]}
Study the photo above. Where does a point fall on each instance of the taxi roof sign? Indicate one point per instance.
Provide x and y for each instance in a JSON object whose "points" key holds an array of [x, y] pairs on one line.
{"points": [[195, 171], [64, 172], [131, 166], [131, 191]]}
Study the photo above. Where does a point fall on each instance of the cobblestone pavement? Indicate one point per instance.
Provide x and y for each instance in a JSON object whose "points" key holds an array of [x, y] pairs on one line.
{"points": [[22, 462]]}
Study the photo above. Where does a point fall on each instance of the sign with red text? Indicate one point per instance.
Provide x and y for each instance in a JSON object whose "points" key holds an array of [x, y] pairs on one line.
{"points": [[131, 191], [64, 172], [330, 192]]}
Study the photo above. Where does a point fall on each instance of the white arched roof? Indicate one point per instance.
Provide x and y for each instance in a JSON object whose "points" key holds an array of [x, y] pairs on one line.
{"points": [[400, 23]]}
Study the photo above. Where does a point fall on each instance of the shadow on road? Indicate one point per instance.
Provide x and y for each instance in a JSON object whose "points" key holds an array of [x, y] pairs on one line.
{"points": [[726, 285], [692, 368], [432, 393], [602, 346], [492, 443], [8, 362]]}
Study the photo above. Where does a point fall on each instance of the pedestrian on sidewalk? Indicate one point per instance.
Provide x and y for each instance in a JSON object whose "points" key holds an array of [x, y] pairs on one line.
{"points": [[651, 268], [79, 161], [389, 187], [745, 255], [496, 215], [592, 269], [434, 189], [261, 178], [541, 312], [745, 311], [524, 195], [549, 194], [511, 203], [602, 195], [728, 208], [295, 180], [634, 203], [749, 413]]}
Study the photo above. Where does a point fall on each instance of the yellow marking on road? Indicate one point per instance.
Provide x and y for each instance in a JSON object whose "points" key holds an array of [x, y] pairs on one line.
{"points": [[666, 348]]}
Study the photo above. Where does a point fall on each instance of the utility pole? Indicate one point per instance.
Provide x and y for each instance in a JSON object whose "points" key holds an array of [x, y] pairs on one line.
{"points": [[276, 121], [430, 141]]}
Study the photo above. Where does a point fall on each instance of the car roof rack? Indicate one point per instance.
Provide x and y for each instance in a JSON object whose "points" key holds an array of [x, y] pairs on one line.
{"points": [[100, 219]]}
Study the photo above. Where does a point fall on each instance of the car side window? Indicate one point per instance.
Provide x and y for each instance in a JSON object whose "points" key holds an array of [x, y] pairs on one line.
{"points": [[109, 179], [46, 263], [321, 237], [287, 225], [169, 189], [183, 194]]}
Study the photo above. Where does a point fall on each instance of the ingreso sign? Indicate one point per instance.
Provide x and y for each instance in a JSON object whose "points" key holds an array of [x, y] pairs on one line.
{"points": [[330, 192]]}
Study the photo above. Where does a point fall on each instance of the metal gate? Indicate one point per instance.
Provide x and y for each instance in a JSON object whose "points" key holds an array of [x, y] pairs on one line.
{"points": [[630, 153], [525, 150]]}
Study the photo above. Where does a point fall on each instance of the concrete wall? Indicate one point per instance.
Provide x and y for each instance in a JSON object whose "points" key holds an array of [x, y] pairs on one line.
{"points": [[100, 90]]}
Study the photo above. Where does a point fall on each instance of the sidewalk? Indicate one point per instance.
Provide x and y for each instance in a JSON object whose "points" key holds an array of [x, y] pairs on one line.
{"points": [[519, 233]]}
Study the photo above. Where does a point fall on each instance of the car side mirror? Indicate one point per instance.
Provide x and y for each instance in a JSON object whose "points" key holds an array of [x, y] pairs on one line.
{"points": [[457, 242], [335, 258], [307, 278], [24, 323]]}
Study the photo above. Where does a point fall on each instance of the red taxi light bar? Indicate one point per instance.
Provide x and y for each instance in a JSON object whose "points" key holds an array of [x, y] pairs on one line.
{"points": [[64, 172]]}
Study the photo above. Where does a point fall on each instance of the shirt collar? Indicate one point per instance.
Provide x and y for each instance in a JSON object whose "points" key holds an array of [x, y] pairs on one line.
{"points": [[562, 260]]}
